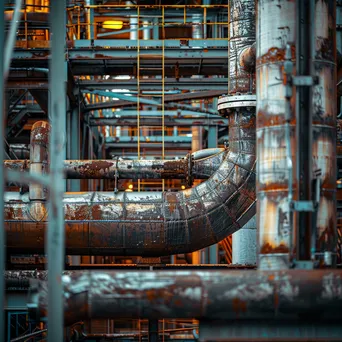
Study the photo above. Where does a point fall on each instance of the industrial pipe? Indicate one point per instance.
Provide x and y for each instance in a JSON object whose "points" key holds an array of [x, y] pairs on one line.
{"points": [[291, 294], [241, 97], [39, 165], [199, 165], [151, 223], [241, 48], [276, 28], [39, 157]]}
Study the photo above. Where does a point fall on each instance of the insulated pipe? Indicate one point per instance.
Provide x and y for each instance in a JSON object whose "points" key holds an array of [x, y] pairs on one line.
{"points": [[201, 165], [232, 295], [152, 223], [39, 157], [242, 38], [276, 27]]}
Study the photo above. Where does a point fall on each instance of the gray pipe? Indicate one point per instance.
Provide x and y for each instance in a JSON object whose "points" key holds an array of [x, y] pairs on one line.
{"points": [[152, 223], [39, 157], [215, 295], [201, 165], [276, 28]]}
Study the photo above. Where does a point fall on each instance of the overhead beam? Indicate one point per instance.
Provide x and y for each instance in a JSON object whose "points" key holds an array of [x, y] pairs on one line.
{"points": [[183, 122]]}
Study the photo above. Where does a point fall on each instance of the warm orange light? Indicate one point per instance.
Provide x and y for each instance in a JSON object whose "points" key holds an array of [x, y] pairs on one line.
{"points": [[183, 187], [112, 24], [130, 186]]}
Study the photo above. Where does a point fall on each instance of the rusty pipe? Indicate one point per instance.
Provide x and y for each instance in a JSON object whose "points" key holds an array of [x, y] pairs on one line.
{"points": [[151, 223], [276, 28], [39, 157], [39, 164], [242, 38], [290, 294], [201, 166]]}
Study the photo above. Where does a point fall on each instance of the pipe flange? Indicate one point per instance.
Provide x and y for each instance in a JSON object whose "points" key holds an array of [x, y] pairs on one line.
{"points": [[227, 103]]}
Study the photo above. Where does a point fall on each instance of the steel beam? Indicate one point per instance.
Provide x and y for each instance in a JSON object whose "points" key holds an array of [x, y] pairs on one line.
{"points": [[152, 139], [56, 234], [185, 122], [155, 84]]}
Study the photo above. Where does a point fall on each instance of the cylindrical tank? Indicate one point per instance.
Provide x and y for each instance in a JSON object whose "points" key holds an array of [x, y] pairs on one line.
{"points": [[276, 28]]}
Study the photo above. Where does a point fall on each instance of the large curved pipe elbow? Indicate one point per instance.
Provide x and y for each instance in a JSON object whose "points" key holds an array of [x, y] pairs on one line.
{"points": [[153, 223]]}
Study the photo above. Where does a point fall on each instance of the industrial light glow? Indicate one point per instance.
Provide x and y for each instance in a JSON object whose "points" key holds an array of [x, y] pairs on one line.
{"points": [[112, 24]]}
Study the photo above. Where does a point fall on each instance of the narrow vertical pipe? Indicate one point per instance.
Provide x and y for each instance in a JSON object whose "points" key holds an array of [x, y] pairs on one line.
{"points": [[2, 184], [133, 23], [55, 235], [39, 157], [75, 144], [244, 244], [156, 28], [305, 40], [146, 30]]}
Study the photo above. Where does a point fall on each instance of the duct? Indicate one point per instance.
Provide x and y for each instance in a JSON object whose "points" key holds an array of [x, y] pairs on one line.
{"points": [[242, 38], [151, 223], [237, 295], [200, 165], [272, 181]]}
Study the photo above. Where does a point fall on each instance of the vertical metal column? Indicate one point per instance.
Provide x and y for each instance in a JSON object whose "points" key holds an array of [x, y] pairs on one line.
{"points": [[75, 144], [2, 185], [55, 234], [305, 42], [153, 330]]}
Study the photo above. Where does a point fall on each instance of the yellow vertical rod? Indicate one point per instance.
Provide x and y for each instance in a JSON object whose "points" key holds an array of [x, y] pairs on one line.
{"points": [[78, 23], [138, 88], [184, 15], [163, 22]]}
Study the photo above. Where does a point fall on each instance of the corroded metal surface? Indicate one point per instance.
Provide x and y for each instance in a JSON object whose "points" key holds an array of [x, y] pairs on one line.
{"points": [[204, 164], [276, 28], [39, 156], [241, 50], [131, 169], [291, 294], [17, 164], [152, 223]]}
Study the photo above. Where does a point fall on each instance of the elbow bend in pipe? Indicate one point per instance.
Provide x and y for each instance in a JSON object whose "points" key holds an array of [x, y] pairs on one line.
{"points": [[154, 223]]}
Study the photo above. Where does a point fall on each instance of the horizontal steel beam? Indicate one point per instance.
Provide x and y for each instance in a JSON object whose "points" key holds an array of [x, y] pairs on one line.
{"points": [[149, 139], [132, 44], [143, 145], [181, 122], [176, 114], [220, 85]]}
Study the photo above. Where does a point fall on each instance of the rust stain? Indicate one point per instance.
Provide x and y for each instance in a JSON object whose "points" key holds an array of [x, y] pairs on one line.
{"points": [[239, 306], [267, 248]]}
